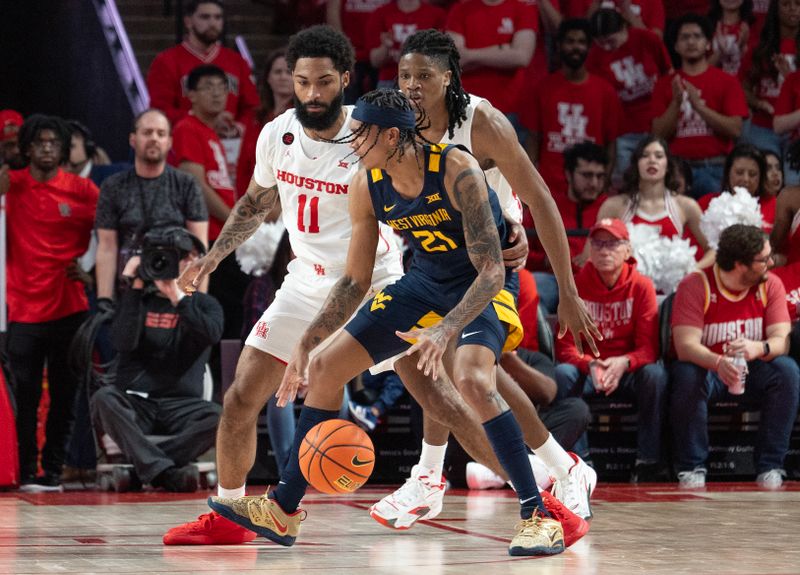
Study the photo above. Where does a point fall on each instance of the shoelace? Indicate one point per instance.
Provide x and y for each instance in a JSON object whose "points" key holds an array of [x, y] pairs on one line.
{"points": [[412, 490], [569, 486], [525, 526], [206, 519]]}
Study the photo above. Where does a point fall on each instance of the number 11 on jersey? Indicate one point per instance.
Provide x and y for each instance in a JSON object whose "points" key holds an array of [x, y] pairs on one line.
{"points": [[313, 208]]}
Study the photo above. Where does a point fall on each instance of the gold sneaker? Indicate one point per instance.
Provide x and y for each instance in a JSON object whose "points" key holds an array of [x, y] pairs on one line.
{"points": [[537, 536], [261, 514]]}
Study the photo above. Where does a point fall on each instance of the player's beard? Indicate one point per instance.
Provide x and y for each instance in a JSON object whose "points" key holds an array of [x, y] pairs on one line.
{"points": [[319, 121], [208, 37]]}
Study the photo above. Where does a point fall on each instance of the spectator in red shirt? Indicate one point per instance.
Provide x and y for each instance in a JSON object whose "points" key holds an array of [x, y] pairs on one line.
{"points": [[734, 307], [390, 26], [10, 123], [731, 24], [623, 305], [167, 78], [765, 69], [496, 40], [277, 92], [50, 219], [198, 151], [631, 60], [585, 168], [574, 107], [640, 14], [699, 109]]}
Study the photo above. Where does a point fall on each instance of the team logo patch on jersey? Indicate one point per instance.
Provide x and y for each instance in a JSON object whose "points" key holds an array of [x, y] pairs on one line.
{"points": [[288, 138], [343, 164], [262, 329], [64, 210], [434, 198]]}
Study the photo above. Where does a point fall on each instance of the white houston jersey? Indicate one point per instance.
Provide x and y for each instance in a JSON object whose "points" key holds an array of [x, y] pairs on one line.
{"points": [[313, 179], [463, 135]]}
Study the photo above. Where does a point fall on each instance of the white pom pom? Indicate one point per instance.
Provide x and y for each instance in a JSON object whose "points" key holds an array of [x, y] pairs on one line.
{"points": [[664, 260], [255, 256], [728, 209]]}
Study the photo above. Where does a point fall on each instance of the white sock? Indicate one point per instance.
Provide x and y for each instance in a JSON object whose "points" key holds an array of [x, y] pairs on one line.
{"points": [[432, 458], [555, 458], [230, 493]]}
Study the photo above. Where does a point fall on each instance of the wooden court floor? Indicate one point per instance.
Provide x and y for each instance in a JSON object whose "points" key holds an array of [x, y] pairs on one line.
{"points": [[730, 528]]}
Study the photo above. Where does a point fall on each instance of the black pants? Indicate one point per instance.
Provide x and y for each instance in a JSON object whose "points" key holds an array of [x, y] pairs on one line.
{"points": [[228, 284], [567, 419], [192, 423], [30, 347]]}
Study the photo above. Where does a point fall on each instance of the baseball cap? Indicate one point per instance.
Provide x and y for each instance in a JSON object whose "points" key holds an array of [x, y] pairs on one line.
{"points": [[10, 122], [613, 226]]}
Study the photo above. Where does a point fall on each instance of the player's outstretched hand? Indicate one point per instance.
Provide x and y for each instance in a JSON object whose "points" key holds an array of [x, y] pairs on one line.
{"points": [[572, 316], [516, 255], [294, 378], [194, 274], [431, 344]]}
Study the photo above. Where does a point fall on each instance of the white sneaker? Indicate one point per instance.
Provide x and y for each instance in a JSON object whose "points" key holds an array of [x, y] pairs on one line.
{"points": [[692, 479], [420, 497], [771, 479], [481, 477], [576, 488], [541, 473]]}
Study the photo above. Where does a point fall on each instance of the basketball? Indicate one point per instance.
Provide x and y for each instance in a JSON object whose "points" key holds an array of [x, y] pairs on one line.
{"points": [[336, 456]]}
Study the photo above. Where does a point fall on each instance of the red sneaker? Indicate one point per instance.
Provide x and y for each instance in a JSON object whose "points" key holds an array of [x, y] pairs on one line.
{"points": [[574, 526], [208, 529]]}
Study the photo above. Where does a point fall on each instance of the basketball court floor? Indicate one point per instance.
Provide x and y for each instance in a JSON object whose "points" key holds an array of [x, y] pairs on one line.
{"points": [[731, 529]]}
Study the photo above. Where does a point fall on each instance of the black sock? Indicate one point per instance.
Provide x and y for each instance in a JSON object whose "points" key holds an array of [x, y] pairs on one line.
{"points": [[292, 485], [505, 436]]}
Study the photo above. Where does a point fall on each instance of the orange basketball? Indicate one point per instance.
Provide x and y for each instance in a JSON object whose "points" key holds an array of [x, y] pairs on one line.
{"points": [[336, 456]]}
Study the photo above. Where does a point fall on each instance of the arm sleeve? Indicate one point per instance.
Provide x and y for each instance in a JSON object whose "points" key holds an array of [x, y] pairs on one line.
{"points": [[688, 308], [106, 216], [646, 329], [203, 317], [126, 328]]}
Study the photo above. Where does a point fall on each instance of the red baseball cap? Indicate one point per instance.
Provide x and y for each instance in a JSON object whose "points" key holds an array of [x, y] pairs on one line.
{"points": [[613, 226], [10, 123]]}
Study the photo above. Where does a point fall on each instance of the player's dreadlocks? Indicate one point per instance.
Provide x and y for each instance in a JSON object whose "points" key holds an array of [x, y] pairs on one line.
{"points": [[440, 47], [35, 124], [321, 42], [391, 99]]}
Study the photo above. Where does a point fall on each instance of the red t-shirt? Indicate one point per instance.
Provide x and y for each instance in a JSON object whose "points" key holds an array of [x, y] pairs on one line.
{"points": [[726, 44], [400, 25], [694, 139], [760, 8], [194, 141], [789, 99], [790, 277], [676, 8], [650, 11], [768, 88], [575, 217], [724, 316], [355, 15], [49, 225], [481, 26], [528, 308], [170, 69], [564, 114], [633, 70], [626, 315]]}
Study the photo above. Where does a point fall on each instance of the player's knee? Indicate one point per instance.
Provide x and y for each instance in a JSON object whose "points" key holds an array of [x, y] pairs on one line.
{"points": [[474, 385], [237, 407]]}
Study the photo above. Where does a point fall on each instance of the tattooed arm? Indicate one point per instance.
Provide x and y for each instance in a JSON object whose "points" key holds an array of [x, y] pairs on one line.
{"points": [[246, 215], [346, 294], [466, 187]]}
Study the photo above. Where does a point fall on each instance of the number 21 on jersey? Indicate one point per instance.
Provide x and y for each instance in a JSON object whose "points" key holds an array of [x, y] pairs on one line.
{"points": [[308, 210]]}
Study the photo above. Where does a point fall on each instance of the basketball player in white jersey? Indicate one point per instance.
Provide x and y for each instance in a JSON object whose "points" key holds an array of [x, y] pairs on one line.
{"points": [[429, 74]]}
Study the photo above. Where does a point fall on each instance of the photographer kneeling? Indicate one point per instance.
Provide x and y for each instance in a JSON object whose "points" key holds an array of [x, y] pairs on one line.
{"points": [[164, 340]]}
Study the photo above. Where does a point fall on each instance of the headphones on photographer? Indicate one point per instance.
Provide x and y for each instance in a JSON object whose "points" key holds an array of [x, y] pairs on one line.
{"points": [[88, 143]]}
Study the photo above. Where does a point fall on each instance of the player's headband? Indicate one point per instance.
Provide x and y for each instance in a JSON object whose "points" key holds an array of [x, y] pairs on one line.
{"points": [[384, 117]]}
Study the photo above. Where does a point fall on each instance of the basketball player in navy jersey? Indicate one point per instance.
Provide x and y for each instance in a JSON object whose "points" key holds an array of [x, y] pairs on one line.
{"points": [[452, 305]]}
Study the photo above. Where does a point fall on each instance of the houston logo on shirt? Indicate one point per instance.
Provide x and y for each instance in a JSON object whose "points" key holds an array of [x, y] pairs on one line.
{"points": [[573, 127], [631, 74]]}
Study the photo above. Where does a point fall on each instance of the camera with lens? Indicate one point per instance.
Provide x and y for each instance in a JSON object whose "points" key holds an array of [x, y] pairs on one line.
{"points": [[162, 250]]}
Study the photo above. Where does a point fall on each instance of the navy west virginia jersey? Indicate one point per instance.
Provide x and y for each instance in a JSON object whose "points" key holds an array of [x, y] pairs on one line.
{"points": [[429, 222], [440, 274]]}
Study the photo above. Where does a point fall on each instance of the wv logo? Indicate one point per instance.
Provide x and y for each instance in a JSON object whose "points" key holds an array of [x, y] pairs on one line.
{"points": [[378, 301]]}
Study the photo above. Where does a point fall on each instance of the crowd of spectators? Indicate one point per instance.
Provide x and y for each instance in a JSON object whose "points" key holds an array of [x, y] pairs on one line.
{"points": [[634, 113]]}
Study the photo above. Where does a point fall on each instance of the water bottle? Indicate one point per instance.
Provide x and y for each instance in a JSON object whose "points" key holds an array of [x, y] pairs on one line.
{"points": [[741, 364]]}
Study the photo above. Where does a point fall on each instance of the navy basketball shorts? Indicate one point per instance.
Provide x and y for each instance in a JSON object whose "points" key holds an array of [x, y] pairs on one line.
{"points": [[413, 303]]}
